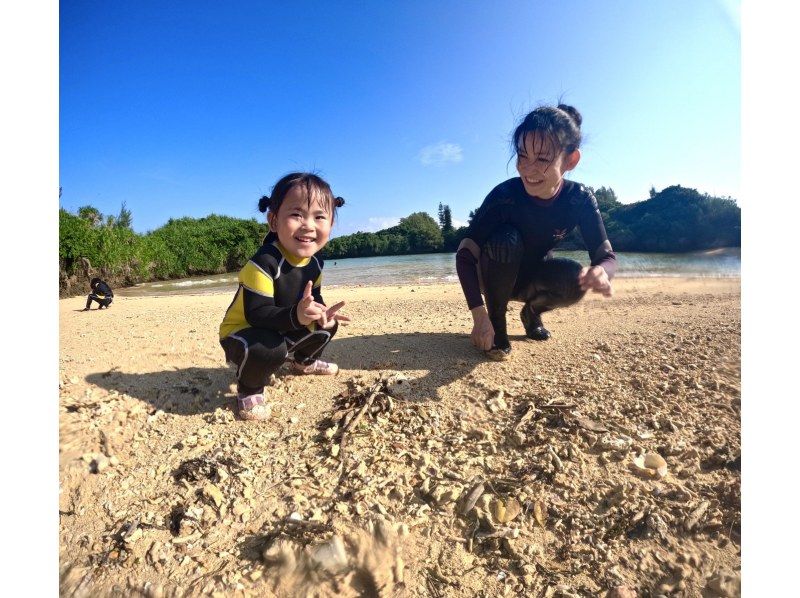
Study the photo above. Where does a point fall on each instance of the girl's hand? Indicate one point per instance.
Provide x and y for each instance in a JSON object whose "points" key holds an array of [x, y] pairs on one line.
{"points": [[330, 317], [309, 310], [482, 335], [595, 279]]}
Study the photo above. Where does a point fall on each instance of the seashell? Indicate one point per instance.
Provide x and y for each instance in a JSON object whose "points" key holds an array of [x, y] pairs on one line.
{"points": [[651, 464], [504, 511]]}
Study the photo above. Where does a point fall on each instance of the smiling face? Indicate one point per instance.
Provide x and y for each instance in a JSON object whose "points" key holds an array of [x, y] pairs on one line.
{"points": [[541, 165], [303, 227]]}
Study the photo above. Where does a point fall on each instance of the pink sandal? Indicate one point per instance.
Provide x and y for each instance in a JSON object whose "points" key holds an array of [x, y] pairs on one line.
{"points": [[253, 408], [318, 367]]}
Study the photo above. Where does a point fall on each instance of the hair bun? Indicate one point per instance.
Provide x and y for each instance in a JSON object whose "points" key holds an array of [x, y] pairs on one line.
{"points": [[264, 203], [338, 202], [574, 114]]}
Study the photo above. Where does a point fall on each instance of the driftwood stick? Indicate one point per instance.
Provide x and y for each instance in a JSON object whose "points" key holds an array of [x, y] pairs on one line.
{"points": [[352, 423]]}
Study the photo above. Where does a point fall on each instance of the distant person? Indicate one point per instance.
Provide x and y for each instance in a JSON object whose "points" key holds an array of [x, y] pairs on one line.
{"points": [[507, 250], [101, 293], [278, 308]]}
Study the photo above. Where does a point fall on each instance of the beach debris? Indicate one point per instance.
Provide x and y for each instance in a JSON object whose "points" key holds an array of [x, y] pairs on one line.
{"points": [[214, 493], [399, 385], [504, 511], [725, 585], [540, 512], [651, 464], [693, 519], [589, 424], [614, 443], [471, 498]]}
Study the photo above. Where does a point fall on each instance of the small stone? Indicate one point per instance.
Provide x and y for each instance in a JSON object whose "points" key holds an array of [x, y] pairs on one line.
{"points": [[335, 450], [294, 419], [621, 592]]}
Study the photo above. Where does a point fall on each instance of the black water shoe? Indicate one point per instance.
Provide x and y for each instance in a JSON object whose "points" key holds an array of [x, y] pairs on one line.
{"points": [[532, 321]]}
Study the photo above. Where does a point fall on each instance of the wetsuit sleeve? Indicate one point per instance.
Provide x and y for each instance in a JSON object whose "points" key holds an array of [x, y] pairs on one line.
{"points": [[260, 310], [593, 231], [316, 290], [467, 270], [492, 212]]}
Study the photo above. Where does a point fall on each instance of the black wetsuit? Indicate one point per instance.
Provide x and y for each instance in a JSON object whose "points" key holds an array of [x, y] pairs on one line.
{"points": [[261, 327], [516, 233], [101, 293]]}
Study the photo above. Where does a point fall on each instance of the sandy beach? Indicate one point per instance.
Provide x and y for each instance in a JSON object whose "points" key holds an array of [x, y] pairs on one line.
{"points": [[524, 477]]}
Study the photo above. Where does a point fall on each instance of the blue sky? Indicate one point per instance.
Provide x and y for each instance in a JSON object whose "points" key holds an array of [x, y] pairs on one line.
{"points": [[192, 108]]}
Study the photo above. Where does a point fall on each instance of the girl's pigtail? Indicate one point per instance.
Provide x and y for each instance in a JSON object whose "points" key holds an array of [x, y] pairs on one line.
{"points": [[338, 202], [264, 203]]}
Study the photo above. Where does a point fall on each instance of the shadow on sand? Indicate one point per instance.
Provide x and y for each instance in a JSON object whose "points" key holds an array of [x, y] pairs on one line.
{"points": [[445, 357]]}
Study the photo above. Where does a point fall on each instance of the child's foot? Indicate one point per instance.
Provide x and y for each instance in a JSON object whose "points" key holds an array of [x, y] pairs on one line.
{"points": [[534, 329], [253, 408], [318, 367]]}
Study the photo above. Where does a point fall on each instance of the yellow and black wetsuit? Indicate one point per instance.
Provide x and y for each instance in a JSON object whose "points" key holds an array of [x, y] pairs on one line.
{"points": [[261, 326]]}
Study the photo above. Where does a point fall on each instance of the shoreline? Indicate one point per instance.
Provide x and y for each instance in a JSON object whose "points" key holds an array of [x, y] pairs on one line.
{"points": [[130, 293]]}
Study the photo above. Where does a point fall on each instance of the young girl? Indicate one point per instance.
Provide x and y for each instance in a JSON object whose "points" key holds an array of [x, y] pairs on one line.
{"points": [[507, 249], [278, 308]]}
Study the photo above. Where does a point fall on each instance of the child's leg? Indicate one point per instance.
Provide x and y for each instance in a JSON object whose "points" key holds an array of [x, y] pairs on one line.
{"points": [[89, 298], [307, 348], [257, 353], [553, 283], [499, 264]]}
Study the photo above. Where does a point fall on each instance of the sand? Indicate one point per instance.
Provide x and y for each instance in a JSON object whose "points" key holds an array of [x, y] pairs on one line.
{"points": [[656, 369]]}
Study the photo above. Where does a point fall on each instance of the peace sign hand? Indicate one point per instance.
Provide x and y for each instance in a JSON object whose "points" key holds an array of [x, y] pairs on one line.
{"points": [[330, 317], [309, 310]]}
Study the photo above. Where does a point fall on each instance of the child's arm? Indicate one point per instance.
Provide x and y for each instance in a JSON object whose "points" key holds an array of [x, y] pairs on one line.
{"points": [[260, 309]]}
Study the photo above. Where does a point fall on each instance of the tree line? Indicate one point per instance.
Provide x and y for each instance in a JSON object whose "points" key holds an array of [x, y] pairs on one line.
{"points": [[676, 219]]}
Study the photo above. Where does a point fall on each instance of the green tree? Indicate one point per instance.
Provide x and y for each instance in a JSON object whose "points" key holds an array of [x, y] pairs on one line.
{"points": [[125, 217], [423, 233], [91, 214]]}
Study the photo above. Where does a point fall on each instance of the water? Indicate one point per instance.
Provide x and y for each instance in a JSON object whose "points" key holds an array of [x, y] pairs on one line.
{"points": [[440, 267]]}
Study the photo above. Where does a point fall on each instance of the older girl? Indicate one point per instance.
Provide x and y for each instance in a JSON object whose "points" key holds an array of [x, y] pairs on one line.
{"points": [[507, 250]]}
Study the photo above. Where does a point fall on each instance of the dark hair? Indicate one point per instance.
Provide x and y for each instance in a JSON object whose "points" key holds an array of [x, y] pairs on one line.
{"points": [[561, 124], [315, 189], [94, 281]]}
